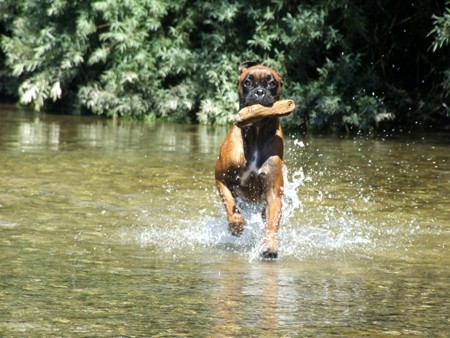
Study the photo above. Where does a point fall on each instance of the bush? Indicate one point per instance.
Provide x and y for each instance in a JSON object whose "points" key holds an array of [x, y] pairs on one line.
{"points": [[178, 60], [441, 33]]}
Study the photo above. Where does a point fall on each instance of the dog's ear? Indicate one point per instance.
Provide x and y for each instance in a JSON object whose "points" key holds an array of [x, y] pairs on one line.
{"points": [[247, 64], [280, 79]]}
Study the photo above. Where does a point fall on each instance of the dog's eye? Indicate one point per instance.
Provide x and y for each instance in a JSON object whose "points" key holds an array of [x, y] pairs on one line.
{"points": [[271, 83], [247, 83]]}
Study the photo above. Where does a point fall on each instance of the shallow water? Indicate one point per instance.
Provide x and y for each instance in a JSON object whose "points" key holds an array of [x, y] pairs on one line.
{"points": [[115, 229]]}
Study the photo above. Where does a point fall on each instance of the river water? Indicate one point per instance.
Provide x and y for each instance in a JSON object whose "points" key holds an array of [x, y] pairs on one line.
{"points": [[114, 229]]}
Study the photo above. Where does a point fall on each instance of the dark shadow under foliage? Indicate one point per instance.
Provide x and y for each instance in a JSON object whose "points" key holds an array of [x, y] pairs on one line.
{"points": [[349, 65]]}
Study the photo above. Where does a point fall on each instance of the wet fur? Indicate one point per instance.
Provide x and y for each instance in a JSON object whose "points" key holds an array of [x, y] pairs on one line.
{"points": [[251, 158]]}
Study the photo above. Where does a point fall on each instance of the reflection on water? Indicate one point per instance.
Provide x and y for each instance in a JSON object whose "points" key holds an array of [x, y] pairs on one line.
{"points": [[115, 229]]}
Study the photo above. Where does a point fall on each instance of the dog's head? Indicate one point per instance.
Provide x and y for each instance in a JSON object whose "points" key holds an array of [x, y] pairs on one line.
{"points": [[258, 84]]}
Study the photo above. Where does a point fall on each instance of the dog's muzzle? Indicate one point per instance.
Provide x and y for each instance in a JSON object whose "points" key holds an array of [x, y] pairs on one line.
{"points": [[259, 95]]}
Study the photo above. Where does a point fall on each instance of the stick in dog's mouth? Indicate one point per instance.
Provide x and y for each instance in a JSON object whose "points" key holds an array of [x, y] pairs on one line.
{"points": [[252, 114]]}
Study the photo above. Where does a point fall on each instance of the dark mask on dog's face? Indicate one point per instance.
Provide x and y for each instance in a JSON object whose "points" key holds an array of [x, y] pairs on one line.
{"points": [[258, 85]]}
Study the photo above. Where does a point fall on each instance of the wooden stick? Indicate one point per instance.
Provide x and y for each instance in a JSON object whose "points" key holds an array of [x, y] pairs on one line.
{"points": [[252, 114]]}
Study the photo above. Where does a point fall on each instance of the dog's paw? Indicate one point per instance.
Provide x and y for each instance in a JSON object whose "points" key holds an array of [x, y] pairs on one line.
{"points": [[269, 248], [236, 223], [269, 255]]}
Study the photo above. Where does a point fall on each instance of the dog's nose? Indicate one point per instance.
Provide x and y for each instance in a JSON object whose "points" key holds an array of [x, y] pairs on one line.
{"points": [[260, 93]]}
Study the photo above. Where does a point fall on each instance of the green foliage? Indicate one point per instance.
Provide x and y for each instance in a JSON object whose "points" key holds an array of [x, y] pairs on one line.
{"points": [[343, 63], [338, 97], [441, 33], [441, 29], [45, 56]]}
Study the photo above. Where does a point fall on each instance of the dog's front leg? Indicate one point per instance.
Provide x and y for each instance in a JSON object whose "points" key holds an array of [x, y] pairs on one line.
{"points": [[273, 194], [235, 219]]}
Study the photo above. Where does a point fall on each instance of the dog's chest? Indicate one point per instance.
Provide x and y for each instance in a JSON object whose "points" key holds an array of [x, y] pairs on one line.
{"points": [[250, 180], [251, 169]]}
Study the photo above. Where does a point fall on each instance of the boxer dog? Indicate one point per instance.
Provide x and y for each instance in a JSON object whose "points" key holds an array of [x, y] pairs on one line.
{"points": [[250, 161]]}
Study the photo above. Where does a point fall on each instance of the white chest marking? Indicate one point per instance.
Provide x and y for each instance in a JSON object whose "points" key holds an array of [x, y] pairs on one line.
{"points": [[251, 168]]}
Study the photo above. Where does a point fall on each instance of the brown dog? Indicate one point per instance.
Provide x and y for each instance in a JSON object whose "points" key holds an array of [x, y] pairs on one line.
{"points": [[251, 158]]}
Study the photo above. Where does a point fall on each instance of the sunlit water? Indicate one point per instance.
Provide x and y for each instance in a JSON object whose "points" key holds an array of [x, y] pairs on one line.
{"points": [[116, 229]]}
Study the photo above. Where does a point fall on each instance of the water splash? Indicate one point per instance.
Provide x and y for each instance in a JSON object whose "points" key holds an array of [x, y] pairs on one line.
{"points": [[299, 237]]}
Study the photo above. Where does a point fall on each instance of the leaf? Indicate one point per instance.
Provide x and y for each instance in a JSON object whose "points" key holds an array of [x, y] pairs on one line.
{"points": [[55, 91]]}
